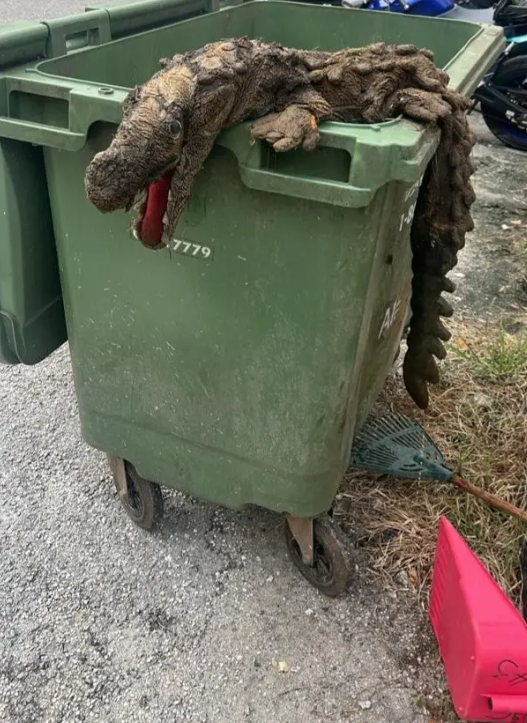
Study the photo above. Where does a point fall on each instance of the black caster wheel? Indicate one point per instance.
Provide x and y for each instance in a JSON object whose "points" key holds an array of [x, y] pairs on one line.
{"points": [[143, 500], [331, 571]]}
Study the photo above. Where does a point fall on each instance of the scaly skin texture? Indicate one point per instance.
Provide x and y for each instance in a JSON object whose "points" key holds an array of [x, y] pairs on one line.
{"points": [[173, 119]]}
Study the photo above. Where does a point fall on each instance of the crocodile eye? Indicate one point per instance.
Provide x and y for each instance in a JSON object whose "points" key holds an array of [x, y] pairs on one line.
{"points": [[176, 127]]}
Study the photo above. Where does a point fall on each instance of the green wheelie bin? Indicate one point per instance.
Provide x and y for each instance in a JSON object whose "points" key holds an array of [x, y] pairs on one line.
{"points": [[238, 367]]}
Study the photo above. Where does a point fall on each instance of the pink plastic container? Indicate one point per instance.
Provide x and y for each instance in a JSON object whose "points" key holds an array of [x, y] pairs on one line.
{"points": [[481, 635]]}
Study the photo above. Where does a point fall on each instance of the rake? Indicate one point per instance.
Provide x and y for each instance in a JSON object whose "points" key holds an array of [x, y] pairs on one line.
{"points": [[397, 445]]}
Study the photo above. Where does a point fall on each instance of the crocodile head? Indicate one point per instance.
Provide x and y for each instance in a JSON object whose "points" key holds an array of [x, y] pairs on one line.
{"points": [[138, 168]]}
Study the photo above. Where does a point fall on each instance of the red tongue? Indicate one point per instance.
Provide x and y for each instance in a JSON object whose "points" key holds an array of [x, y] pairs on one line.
{"points": [[151, 230]]}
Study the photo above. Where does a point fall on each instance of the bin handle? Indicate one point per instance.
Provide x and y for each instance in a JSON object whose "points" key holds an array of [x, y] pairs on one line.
{"points": [[337, 193], [94, 24], [376, 159], [41, 134]]}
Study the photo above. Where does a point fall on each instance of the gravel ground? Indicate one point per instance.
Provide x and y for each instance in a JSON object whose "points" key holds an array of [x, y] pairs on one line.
{"points": [[101, 621], [491, 274]]}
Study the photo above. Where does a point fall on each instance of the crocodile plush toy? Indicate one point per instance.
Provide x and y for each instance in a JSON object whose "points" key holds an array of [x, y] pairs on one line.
{"points": [[170, 123]]}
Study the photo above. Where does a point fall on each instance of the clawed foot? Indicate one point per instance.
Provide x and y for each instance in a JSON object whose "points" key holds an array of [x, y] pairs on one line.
{"points": [[292, 128]]}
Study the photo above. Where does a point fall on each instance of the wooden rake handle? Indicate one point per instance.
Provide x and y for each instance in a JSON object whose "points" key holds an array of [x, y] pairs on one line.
{"points": [[489, 498]]}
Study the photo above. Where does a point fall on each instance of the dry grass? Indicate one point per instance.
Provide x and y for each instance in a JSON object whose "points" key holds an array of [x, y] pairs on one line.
{"points": [[478, 417]]}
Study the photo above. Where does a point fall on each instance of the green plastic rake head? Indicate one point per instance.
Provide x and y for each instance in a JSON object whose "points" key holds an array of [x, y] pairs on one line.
{"points": [[398, 446], [395, 444]]}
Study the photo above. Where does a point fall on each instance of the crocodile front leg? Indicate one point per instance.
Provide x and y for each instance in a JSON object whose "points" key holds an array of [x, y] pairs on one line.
{"points": [[297, 125]]}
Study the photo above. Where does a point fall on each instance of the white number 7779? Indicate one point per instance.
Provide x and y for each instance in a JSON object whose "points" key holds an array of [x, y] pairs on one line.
{"points": [[190, 249]]}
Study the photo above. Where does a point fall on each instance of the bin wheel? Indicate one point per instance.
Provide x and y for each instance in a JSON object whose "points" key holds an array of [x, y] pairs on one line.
{"points": [[331, 571], [143, 501]]}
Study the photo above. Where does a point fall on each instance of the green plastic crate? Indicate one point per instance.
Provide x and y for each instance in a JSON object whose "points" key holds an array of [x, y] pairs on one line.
{"points": [[241, 377]]}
